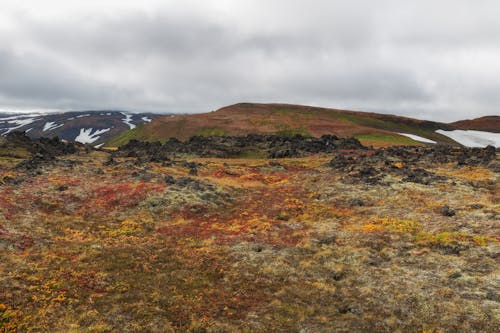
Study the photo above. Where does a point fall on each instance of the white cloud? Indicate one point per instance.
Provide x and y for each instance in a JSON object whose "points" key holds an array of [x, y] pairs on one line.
{"points": [[427, 59]]}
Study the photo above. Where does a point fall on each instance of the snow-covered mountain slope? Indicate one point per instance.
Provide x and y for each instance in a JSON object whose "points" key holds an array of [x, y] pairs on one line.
{"points": [[92, 127]]}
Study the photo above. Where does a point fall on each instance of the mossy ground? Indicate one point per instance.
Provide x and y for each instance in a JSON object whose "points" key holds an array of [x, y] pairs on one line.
{"points": [[248, 246], [385, 139]]}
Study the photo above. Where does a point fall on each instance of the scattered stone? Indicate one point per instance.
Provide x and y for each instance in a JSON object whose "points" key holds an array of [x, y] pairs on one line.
{"points": [[11, 181], [283, 217], [420, 176], [110, 161], [356, 202], [337, 276], [493, 296], [193, 171], [447, 211], [340, 162], [327, 240], [169, 179]]}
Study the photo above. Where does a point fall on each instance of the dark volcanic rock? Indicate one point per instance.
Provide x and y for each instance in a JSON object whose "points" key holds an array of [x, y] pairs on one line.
{"points": [[341, 162], [43, 150], [169, 179], [51, 147], [146, 151], [371, 166], [441, 154], [236, 146], [447, 211], [419, 176]]}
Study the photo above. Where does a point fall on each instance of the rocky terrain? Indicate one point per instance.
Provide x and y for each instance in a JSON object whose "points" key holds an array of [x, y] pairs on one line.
{"points": [[271, 146], [257, 233]]}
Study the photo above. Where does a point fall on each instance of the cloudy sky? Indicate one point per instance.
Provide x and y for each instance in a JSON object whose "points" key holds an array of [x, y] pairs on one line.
{"points": [[436, 59]]}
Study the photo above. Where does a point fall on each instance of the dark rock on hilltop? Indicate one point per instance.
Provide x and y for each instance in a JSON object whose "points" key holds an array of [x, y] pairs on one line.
{"points": [[42, 150], [50, 147], [146, 151], [272, 146]]}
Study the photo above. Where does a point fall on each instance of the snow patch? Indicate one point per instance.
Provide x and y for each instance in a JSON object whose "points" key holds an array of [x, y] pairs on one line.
{"points": [[49, 126], [146, 119], [470, 138], [18, 123], [128, 120], [13, 117], [83, 115], [417, 138], [86, 135]]}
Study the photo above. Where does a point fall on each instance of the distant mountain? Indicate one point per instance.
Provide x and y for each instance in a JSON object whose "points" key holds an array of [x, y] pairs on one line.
{"points": [[92, 127], [284, 119], [115, 128], [488, 123]]}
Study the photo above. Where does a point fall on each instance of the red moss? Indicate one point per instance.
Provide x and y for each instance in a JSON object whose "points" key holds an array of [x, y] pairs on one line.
{"points": [[122, 195]]}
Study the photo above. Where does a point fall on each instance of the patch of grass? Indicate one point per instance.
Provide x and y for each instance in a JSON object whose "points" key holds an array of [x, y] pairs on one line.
{"points": [[124, 137], [253, 154], [14, 152], [210, 131], [287, 130], [282, 110], [385, 139], [446, 238], [295, 131], [392, 224]]}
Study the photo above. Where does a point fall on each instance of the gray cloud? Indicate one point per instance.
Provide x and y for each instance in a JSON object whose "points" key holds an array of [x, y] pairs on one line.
{"points": [[427, 59]]}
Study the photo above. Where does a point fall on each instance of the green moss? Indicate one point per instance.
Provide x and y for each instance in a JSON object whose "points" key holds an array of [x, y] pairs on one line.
{"points": [[138, 133], [14, 152], [446, 238], [287, 130], [253, 154], [385, 138], [211, 131]]}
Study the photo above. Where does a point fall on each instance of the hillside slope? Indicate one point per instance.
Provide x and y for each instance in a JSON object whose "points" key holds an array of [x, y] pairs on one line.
{"points": [[488, 123], [252, 118]]}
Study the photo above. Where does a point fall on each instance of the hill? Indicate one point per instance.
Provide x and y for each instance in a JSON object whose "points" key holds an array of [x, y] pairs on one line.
{"points": [[284, 119], [488, 123], [92, 127]]}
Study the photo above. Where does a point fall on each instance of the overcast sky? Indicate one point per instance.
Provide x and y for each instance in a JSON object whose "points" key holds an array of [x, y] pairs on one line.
{"points": [[434, 59]]}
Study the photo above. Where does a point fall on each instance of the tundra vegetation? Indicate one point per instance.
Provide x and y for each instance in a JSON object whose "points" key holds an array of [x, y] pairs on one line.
{"points": [[147, 238]]}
